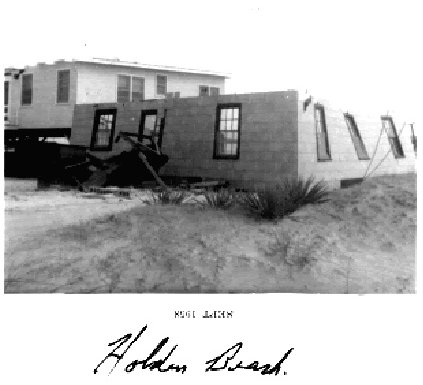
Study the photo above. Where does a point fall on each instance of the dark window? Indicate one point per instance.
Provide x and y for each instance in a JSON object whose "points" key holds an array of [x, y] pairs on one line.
{"points": [[151, 129], [103, 130], [227, 133], [63, 86], [6, 93], [161, 85], [389, 126], [26, 89], [203, 90], [123, 89], [137, 89], [360, 149], [214, 91], [6, 101], [413, 138], [323, 152]]}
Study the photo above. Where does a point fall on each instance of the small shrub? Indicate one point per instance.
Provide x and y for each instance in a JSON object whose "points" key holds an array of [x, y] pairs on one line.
{"points": [[296, 255], [265, 203], [297, 193], [222, 199], [166, 197], [284, 199]]}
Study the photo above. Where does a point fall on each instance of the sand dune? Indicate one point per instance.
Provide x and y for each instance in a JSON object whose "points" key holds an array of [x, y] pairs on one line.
{"points": [[361, 241]]}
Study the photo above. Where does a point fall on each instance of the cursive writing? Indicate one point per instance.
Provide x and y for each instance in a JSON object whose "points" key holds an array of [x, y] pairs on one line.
{"points": [[222, 362], [228, 360], [147, 363]]}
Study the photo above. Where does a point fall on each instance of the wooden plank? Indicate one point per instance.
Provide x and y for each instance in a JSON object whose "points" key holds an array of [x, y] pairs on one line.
{"points": [[211, 183]]}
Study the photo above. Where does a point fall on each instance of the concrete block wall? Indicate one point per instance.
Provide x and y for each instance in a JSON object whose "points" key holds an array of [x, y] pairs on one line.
{"points": [[345, 163], [268, 135], [98, 83], [268, 138], [44, 112], [128, 117]]}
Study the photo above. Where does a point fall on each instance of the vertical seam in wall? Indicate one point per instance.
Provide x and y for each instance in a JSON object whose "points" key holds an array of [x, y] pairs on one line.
{"points": [[76, 84]]}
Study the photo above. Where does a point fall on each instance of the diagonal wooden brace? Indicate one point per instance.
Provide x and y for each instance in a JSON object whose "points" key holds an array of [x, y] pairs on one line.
{"points": [[140, 147]]}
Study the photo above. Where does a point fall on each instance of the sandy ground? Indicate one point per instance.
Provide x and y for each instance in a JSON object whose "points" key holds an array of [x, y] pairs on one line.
{"points": [[361, 241]]}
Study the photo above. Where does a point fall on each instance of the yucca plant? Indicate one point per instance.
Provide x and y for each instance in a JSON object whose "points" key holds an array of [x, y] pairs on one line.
{"points": [[284, 199], [264, 203]]}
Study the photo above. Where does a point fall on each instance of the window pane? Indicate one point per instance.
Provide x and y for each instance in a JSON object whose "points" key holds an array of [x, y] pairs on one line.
{"points": [[103, 130], [229, 113], [214, 91], [137, 89], [228, 149], [356, 137], [393, 138], [27, 89], [223, 112], [389, 128], [161, 85], [228, 132], [123, 89], [106, 122], [6, 93], [63, 86], [149, 124], [321, 133], [386, 125], [103, 138], [204, 90]]}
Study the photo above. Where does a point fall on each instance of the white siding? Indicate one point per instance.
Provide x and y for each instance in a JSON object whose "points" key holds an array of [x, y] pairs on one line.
{"points": [[97, 83]]}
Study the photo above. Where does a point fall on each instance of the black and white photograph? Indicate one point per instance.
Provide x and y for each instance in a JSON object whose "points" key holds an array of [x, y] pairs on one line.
{"points": [[204, 169]]}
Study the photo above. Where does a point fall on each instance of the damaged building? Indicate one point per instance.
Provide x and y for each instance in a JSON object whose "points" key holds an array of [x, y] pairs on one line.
{"points": [[253, 140], [184, 118]]}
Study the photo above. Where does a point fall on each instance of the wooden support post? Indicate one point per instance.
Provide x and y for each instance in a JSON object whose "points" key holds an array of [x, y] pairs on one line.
{"points": [[144, 160]]}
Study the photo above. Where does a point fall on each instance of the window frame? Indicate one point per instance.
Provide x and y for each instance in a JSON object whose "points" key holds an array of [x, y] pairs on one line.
{"points": [[217, 130], [132, 88], [141, 126], [32, 90], [129, 90], [350, 118], [6, 100], [318, 106], [413, 138], [98, 113], [57, 86], [157, 84], [216, 88], [205, 87], [393, 141]]}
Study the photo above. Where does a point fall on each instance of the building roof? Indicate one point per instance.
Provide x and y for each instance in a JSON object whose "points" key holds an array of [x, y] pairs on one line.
{"points": [[120, 63]]}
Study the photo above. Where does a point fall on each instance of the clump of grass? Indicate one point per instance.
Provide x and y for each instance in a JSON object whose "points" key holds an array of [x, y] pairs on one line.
{"points": [[285, 198], [264, 203], [221, 199], [295, 255], [166, 197]]}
